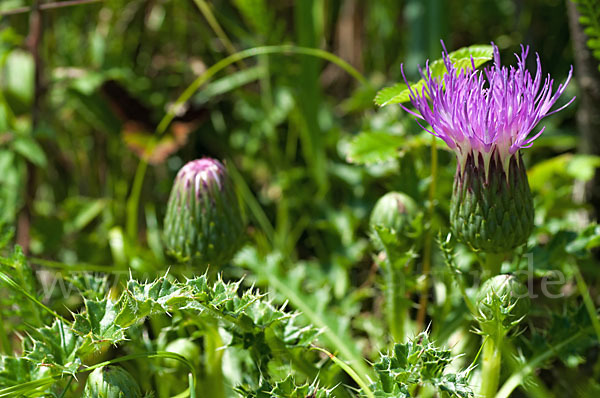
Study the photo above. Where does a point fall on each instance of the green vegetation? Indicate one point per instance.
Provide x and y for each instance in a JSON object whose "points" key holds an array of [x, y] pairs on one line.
{"points": [[103, 102]]}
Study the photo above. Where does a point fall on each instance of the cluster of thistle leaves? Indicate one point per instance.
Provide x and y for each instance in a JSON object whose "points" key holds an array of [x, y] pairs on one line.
{"points": [[57, 349]]}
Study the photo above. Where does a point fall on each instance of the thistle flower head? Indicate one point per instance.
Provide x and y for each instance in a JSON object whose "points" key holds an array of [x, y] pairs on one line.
{"points": [[203, 220], [485, 117], [488, 112]]}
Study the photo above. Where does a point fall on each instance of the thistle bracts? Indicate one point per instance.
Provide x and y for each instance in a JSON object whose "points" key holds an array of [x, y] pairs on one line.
{"points": [[503, 301], [203, 221], [491, 210], [111, 382]]}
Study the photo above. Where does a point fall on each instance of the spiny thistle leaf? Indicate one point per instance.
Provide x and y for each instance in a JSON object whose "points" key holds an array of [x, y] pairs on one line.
{"points": [[16, 371], [91, 286], [285, 388], [419, 362], [97, 324], [248, 313], [141, 300], [561, 328], [56, 348], [266, 331]]}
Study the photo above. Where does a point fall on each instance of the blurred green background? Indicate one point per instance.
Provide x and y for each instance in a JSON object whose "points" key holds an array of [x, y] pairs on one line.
{"points": [[110, 70]]}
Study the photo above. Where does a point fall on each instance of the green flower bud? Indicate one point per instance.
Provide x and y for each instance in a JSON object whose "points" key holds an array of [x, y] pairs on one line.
{"points": [[184, 347], [111, 382], [393, 211], [502, 301], [203, 220], [492, 207]]}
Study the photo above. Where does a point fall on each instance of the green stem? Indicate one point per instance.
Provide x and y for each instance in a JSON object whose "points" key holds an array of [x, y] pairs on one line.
{"points": [[447, 252], [5, 346], [351, 372], [395, 296], [213, 385], [427, 245], [134, 200], [492, 265], [67, 387], [587, 300], [491, 364], [216, 27], [249, 53]]}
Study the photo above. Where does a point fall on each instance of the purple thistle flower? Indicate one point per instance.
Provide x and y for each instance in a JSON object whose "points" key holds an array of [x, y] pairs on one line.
{"points": [[485, 112]]}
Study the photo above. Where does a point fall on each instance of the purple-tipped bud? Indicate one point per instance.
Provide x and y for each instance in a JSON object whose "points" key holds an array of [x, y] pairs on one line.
{"points": [[203, 221], [486, 117]]}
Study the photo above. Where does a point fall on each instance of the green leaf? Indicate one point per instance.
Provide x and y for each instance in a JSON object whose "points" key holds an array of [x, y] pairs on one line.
{"points": [[589, 18], [81, 211], [586, 240], [583, 167], [288, 388], [55, 348], [17, 80], [257, 14], [14, 372], [580, 167], [91, 286], [461, 59], [416, 363], [229, 83], [374, 147], [396, 94], [30, 150], [141, 300], [97, 325]]}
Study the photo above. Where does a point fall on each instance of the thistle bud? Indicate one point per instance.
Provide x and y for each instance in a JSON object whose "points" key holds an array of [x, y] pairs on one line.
{"points": [[111, 382], [492, 207], [393, 211], [502, 301], [203, 221]]}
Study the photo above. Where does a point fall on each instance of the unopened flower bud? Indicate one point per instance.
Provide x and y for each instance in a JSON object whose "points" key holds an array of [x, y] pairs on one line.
{"points": [[111, 382], [393, 211], [203, 221], [502, 300]]}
